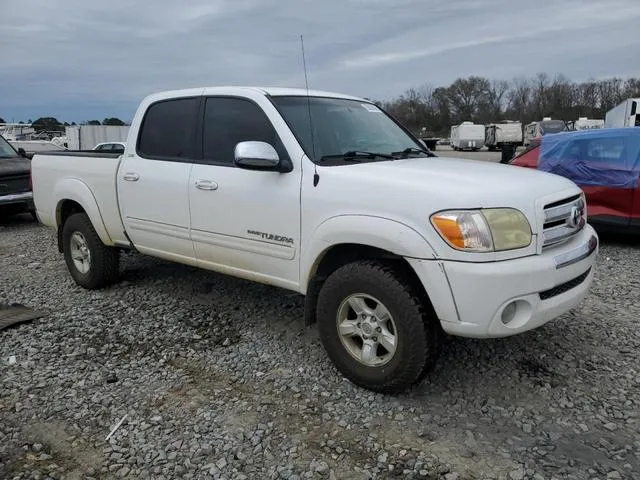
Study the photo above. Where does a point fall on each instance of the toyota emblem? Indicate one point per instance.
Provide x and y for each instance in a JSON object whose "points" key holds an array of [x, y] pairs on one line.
{"points": [[575, 217]]}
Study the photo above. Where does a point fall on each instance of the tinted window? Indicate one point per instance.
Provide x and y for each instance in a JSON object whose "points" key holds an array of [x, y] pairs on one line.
{"points": [[168, 129], [228, 121]]}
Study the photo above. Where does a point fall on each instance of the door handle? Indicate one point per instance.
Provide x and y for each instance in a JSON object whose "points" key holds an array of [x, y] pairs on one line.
{"points": [[206, 185], [131, 177]]}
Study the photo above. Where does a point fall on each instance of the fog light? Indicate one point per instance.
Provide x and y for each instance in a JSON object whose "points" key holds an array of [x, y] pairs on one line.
{"points": [[509, 313]]}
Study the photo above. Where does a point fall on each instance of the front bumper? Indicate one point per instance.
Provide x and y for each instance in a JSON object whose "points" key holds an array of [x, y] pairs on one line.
{"points": [[499, 299], [25, 198]]}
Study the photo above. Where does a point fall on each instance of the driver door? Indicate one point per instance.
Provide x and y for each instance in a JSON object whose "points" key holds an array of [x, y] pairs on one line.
{"points": [[244, 222]]}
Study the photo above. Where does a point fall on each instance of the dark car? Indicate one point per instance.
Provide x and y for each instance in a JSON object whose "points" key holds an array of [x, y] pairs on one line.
{"points": [[605, 163], [16, 195]]}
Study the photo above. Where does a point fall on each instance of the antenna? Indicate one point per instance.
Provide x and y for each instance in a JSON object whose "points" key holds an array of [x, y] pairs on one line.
{"points": [[316, 177]]}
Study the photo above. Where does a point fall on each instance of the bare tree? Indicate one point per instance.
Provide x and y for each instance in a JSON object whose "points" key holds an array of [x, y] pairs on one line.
{"points": [[435, 109], [496, 97]]}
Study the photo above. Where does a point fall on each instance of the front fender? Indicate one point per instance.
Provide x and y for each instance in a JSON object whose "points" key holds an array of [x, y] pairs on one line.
{"points": [[389, 235], [79, 192]]}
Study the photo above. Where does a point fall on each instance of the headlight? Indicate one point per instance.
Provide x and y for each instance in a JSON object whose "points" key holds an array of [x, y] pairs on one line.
{"points": [[486, 230]]}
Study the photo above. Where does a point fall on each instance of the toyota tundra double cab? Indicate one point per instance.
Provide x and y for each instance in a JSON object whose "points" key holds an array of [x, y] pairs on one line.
{"points": [[327, 195]]}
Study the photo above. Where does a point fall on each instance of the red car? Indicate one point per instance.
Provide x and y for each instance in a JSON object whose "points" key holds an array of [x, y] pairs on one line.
{"points": [[605, 163]]}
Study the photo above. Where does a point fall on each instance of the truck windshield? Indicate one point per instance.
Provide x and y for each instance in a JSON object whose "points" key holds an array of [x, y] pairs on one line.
{"points": [[342, 126], [6, 151]]}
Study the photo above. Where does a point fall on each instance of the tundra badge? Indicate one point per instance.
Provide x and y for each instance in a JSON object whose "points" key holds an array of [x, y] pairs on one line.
{"points": [[271, 237]]}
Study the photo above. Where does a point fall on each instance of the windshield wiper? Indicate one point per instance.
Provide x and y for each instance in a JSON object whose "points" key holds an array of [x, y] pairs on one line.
{"points": [[409, 150], [356, 155]]}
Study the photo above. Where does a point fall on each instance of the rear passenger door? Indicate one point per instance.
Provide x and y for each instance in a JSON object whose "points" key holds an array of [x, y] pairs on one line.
{"points": [[154, 178], [244, 222]]}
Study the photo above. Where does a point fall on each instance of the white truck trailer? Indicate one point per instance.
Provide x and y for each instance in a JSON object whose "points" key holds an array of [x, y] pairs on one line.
{"points": [[86, 137], [627, 114], [585, 123], [504, 133], [467, 136]]}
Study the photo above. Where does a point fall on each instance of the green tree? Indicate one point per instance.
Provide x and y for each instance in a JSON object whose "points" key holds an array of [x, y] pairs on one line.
{"points": [[2, 120], [47, 124], [113, 121], [93, 122]]}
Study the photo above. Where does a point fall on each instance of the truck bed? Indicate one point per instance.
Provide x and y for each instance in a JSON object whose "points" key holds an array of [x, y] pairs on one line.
{"points": [[87, 177]]}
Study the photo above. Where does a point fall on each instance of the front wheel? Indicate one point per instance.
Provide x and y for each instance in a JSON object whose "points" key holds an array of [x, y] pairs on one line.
{"points": [[91, 263], [375, 327]]}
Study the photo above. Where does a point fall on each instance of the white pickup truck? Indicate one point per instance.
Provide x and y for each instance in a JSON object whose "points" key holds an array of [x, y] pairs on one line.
{"points": [[326, 195]]}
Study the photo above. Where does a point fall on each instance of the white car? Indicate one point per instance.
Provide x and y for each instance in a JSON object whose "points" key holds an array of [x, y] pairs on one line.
{"points": [[326, 195], [111, 147]]}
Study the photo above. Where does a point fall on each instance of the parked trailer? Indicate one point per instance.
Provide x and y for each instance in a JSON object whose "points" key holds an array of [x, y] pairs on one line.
{"points": [[467, 136], [534, 130], [627, 114], [498, 135], [584, 123], [85, 137]]}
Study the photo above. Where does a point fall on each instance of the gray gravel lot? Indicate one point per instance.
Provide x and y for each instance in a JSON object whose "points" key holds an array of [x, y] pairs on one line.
{"points": [[219, 378]]}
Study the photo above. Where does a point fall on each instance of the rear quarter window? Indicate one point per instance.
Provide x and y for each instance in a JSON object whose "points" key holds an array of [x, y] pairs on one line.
{"points": [[168, 129]]}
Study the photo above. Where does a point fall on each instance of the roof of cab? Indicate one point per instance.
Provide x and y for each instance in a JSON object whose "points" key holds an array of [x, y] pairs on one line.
{"points": [[271, 91]]}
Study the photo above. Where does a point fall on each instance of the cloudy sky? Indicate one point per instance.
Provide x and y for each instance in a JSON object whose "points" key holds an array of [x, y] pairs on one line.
{"points": [[79, 60]]}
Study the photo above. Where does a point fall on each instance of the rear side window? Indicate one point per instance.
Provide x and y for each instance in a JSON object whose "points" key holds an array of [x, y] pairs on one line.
{"points": [[169, 129], [228, 121]]}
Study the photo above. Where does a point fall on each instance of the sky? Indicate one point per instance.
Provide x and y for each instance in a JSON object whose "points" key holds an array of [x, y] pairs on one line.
{"points": [[79, 60]]}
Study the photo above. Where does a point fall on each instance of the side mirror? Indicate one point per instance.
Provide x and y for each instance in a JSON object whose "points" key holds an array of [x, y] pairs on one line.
{"points": [[22, 152], [256, 156]]}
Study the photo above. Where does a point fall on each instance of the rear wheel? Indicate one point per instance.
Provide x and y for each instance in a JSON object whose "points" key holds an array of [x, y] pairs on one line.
{"points": [[375, 328], [91, 263]]}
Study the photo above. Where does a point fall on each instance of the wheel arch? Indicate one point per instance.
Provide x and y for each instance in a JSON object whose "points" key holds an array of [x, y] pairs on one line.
{"points": [[74, 196], [350, 238]]}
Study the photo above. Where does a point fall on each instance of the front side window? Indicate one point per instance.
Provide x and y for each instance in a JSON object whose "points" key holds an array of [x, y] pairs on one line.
{"points": [[228, 121], [342, 125], [6, 151], [168, 129]]}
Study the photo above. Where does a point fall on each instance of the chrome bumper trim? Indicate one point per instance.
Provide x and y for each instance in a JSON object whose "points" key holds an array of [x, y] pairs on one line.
{"points": [[577, 254]]}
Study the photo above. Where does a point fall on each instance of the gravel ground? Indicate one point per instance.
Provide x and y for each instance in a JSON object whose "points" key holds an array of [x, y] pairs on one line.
{"points": [[219, 378]]}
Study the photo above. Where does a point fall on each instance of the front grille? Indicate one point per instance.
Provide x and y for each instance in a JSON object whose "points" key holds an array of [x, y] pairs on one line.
{"points": [[14, 184], [564, 287], [563, 219]]}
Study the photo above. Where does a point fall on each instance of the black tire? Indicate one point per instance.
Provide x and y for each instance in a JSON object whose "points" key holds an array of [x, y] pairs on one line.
{"points": [[104, 261], [418, 333]]}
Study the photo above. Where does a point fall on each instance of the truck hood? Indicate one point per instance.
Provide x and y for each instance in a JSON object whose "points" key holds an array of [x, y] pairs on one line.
{"points": [[469, 183], [409, 191], [14, 166]]}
